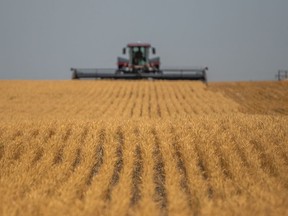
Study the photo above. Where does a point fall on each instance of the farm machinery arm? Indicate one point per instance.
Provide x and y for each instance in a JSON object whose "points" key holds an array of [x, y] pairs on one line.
{"points": [[167, 74]]}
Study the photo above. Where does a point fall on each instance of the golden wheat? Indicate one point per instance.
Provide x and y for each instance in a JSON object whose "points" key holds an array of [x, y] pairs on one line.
{"points": [[143, 148], [89, 100]]}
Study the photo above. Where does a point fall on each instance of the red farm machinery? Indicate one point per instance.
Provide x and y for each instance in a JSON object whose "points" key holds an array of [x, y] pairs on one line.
{"points": [[139, 65]]}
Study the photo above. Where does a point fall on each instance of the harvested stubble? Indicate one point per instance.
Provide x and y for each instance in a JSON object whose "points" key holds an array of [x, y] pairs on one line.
{"points": [[142, 148]]}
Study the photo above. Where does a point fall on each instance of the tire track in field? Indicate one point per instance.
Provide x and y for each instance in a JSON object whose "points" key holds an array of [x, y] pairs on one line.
{"points": [[248, 164], [266, 162], [165, 100], [142, 101], [181, 103], [16, 135], [123, 101], [85, 100], [157, 100], [160, 193], [225, 167], [57, 162], [35, 133], [204, 171], [132, 109], [171, 99], [280, 149], [38, 155], [2, 131], [77, 159], [182, 170], [189, 97], [40, 151], [137, 173], [110, 100], [37, 169], [185, 96], [94, 170], [18, 152], [134, 102], [118, 166], [2, 148], [99, 157], [2, 151], [75, 163], [18, 149], [136, 177], [242, 156], [78, 155], [127, 99], [149, 102], [58, 158]]}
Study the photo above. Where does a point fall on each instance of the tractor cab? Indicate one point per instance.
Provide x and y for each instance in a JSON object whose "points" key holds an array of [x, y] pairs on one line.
{"points": [[138, 58], [138, 55]]}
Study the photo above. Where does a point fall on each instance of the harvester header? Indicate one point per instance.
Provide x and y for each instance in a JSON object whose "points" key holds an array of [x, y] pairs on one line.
{"points": [[139, 65]]}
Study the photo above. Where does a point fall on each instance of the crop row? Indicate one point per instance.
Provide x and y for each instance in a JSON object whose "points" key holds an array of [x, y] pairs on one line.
{"points": [[177, 167], [106, 99]]}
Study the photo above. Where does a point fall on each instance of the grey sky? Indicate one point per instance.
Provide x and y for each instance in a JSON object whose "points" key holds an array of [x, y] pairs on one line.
{"points": [[236, 39]]}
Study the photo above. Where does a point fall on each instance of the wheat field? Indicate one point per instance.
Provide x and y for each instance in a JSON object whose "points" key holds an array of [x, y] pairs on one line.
{"points": [[143, 148]]}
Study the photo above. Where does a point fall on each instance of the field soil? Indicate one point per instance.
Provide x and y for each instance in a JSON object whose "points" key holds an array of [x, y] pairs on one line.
{"points": [[143, 148]]}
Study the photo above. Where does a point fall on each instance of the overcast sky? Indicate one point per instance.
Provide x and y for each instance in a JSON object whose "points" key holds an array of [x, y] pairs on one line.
{"points": [[236, 39]]}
